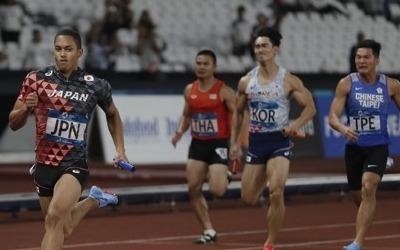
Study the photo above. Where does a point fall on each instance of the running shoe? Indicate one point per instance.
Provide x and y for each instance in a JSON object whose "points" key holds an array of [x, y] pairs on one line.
{"points": [[104, 197], [206, 238], [269, 247], [352, 246]]}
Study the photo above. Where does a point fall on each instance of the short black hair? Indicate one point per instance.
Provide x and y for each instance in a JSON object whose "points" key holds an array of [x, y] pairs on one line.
{"points": [[70, 32], [370, 44], [207, 52], [271, 33]]}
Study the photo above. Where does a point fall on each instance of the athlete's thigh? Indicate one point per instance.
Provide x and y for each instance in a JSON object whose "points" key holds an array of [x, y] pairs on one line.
{"points": [[253, 180], [44, 204], [196, 172], [277, 172], [217, 177], [67, 192]]}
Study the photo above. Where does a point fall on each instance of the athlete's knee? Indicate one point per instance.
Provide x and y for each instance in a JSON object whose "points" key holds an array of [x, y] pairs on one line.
{"points": [[276, 195], [368, 189], [249, 198], [53, 218], [218, 191], [194, 189]]}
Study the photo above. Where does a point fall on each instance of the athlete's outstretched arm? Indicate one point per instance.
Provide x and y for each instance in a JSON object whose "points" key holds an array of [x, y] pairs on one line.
{"points": [[116, 129]]}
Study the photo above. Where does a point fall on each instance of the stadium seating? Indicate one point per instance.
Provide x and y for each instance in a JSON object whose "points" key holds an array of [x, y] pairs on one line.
{"points": [[312, 42]]}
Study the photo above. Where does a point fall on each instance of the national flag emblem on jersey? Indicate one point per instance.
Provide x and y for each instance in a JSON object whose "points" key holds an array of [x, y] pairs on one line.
{"points": [[88, 78]]}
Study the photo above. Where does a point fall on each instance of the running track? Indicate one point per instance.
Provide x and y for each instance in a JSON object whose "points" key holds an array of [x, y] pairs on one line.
{"points": [[316, 221]]}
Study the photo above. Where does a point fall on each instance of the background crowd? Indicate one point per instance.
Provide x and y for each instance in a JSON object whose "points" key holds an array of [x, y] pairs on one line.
{"points": [[152, 35]]}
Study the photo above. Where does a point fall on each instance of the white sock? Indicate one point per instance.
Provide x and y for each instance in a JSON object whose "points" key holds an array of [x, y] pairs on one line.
{"points": [[210, 232]]}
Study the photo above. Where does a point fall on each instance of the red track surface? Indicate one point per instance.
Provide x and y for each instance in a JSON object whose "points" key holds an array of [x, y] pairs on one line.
{"points": [[318, 221]]}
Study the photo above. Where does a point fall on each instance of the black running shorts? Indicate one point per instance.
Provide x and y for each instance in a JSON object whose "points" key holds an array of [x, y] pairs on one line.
{"points": [[46, 176], [211, 151], [364, 159]]}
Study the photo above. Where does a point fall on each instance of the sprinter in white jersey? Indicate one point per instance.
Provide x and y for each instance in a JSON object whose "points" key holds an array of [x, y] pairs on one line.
{"points": [[265, 92], [365, 95]]}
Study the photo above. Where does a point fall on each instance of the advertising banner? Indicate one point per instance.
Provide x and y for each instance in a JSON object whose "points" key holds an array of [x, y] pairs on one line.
{"points": [[151, 120], [334, 143], [149, 123]]}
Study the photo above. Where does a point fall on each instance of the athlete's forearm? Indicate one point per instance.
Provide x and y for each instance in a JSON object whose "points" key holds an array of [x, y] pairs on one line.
{"points": [[18, 117], [184, 124], [307, 114], [237, 120], [116, 129]]}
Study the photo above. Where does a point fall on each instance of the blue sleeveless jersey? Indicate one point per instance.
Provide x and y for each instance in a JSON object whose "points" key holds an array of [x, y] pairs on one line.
{"points": [[367, 109], [267, 104]]}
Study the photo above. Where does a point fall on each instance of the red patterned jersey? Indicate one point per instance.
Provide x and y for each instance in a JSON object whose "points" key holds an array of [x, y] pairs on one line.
{"points": [[210, 116], [65, 107]]}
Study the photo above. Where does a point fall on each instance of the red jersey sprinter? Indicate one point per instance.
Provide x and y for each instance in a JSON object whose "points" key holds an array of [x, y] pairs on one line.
{"points": [[208, 108]]}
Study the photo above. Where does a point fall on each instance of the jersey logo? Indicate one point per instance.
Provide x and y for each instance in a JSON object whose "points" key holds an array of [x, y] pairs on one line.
{"points": [[222, 152], [49, 73], [193, 96], [379, 90], [89, 78], [213, 96]]}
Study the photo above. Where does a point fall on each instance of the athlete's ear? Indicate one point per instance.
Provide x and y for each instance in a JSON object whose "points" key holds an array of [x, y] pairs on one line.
{"points": [[80, 52]]}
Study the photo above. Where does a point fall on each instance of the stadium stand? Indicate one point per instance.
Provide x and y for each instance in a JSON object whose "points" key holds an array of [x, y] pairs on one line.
{"points": [[313, 42]]}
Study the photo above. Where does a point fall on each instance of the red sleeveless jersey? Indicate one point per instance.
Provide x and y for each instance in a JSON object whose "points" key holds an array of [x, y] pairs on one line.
{"points": [[210, 116]]}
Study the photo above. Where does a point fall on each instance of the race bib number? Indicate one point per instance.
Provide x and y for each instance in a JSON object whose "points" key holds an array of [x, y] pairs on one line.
{"points": [[205, 124], [366, 124], [263, 117], [67, 128]]}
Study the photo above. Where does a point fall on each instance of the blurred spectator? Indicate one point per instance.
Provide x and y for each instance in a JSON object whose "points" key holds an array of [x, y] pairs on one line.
{"points": [[391, 11], [127, 15], [281, 8], [112, 21], [98, 55], [4, 62], [37, 52], [326, 6], [261, 21], [239, 33], [12, 19], [150, 44], [352, 57]]}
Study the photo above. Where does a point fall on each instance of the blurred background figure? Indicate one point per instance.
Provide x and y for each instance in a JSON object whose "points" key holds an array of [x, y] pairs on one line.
{"points": [[37, 53], [12, 19], [98, 56], [239, 33], [4, 62], [150, 45]]}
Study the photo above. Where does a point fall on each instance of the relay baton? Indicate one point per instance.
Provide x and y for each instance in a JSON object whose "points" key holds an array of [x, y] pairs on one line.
{"points": [[235, 166], [126, 166], [297, 134]]}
